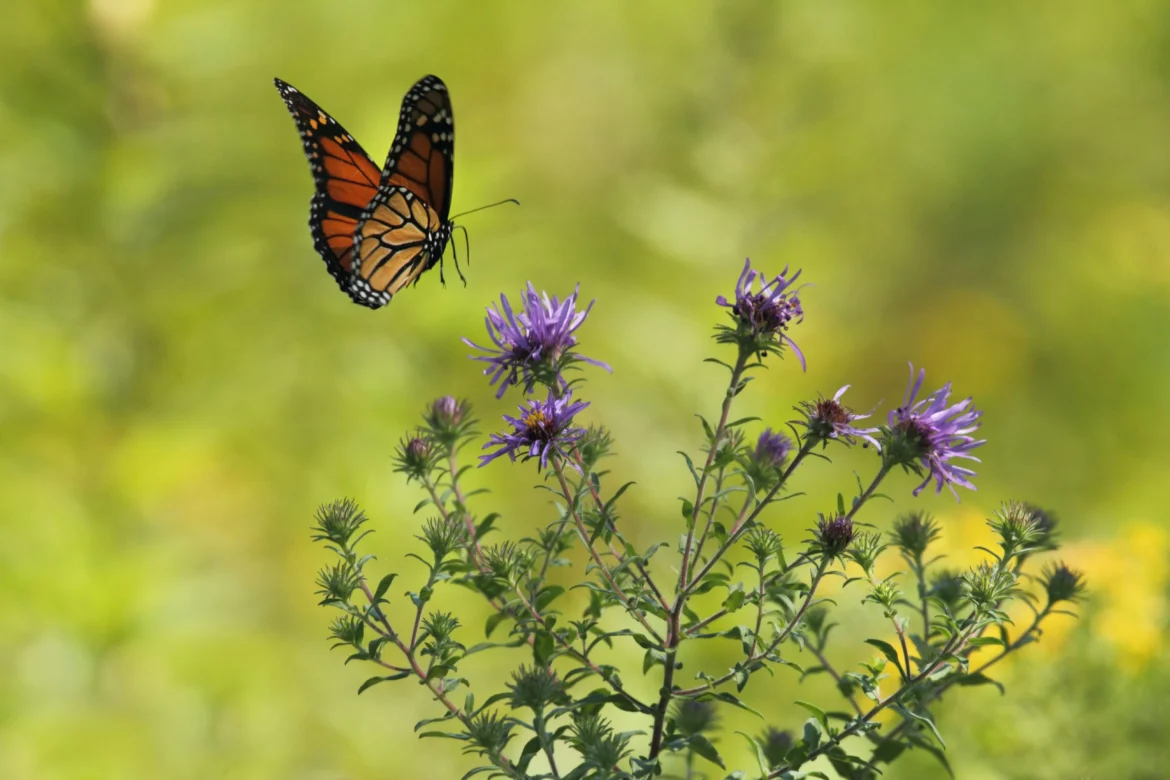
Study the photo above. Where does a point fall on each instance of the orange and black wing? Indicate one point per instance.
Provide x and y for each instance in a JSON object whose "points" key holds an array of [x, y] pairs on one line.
{"points": [[396, 240], [346, 178], [422, 158]]}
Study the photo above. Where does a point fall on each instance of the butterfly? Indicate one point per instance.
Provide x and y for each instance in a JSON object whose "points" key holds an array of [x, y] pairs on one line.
{"points": [[379, 230]]}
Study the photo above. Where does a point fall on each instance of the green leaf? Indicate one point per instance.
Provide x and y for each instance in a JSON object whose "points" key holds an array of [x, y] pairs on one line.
{"points": [[547, 596], [728, 698], [887, 751], [542, 647], [688, 512], [383, 586], [812, 734], [703, 747], [735, 598], [493, 620], [904, 712], [817, 712], [758, 747], [979, 678], [370, 683], [690, 466], [888, 651]]}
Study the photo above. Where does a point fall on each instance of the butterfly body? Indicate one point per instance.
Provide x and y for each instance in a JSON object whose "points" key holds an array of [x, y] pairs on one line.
{"points": [[378, 230]]}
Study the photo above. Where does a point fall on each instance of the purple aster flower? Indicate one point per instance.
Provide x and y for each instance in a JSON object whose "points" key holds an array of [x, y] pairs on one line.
{"points": [[933, 433], [542, 429], [532, 345], [773, 449], [765, 466], [828, 418], [763, 316]]}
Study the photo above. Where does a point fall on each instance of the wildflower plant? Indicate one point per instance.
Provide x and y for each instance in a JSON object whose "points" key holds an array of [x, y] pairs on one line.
{"points": [[578, 598]]}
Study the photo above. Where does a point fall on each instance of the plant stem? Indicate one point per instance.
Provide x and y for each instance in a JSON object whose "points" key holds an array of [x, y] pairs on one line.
{"points": [[546, 744], [605, 572], [771, 646]]}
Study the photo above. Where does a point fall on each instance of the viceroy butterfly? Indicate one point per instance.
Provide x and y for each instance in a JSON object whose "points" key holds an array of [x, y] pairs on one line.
{"points": [[378, 231]]}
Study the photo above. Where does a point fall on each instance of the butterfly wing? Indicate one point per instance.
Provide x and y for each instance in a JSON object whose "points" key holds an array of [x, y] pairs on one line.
{"points": [[396, 240], [404, 231], [346, 178], [422, 158]]}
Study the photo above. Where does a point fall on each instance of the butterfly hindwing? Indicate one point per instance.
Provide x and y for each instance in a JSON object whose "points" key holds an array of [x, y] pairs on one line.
{"points": [[346, 180], [398, 237]]}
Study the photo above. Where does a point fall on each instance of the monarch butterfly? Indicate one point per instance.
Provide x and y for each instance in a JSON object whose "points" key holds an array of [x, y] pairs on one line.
{"points": [[378, 231]]}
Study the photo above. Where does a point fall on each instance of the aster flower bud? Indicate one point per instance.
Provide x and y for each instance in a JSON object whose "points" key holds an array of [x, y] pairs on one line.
{"points": [[1062, 583], [949, 587], [989, 585], [536, 688], [865, 550], [443, 537], [1046, 523], [762, 318], [415, 456], [695, 716], [447, 412], [776, 743], [913, 533], [833, 535], [764, 544], [599, 745], [827, 419], [337, 522], [925, 436], [1017, 529]]}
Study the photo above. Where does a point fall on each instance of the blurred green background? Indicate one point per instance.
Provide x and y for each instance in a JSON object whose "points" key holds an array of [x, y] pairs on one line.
{"points": [[981, 189]]}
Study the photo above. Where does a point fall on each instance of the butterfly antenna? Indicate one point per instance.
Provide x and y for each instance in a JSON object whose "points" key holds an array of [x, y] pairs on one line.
{"points": [[481, 208]]}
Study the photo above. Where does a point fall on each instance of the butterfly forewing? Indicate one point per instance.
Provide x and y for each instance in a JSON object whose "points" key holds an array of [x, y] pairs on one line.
{"points": [[346, 178], [422, 157]]}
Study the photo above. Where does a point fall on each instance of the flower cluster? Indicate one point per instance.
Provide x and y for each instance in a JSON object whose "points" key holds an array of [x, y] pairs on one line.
{"points": [[729, 559], [534, 346]]}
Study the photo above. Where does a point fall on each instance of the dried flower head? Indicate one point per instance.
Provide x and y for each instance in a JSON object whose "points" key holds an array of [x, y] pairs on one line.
{"points": [[533, 345], [927, 435], [827, 419], [834, 535]]}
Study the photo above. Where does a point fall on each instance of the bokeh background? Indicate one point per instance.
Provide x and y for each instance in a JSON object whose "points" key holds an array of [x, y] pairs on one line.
{"points": [[981, 189]]}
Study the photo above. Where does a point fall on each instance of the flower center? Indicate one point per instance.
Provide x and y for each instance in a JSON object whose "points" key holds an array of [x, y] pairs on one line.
{"points": [[917, 432], [832, 413], [538, 424]]}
